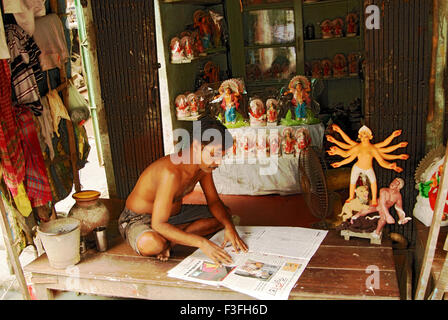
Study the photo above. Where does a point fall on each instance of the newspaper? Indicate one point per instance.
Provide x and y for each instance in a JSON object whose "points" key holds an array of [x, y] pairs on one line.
{"points": [[276, 259]]}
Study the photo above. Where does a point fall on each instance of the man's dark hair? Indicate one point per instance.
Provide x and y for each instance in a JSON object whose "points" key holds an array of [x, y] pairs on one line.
{"points": [[225, 139]]}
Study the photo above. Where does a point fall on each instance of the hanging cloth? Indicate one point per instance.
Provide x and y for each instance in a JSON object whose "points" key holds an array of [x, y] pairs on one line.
{"points": [[36, 180], [11, 153], [46, 126], [57, 109], [24, 12], [25, 66], [4, 51], [50, 38]]}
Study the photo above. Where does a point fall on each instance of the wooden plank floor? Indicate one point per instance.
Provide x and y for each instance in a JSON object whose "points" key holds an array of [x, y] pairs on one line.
{"points": [[338, 270]]}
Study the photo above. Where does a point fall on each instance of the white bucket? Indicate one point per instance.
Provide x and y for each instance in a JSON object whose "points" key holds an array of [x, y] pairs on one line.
{"points": [[61, 240]]}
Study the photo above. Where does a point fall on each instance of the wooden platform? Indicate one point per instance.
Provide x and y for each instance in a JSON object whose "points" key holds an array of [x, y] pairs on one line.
{"points": [[338, 270]]}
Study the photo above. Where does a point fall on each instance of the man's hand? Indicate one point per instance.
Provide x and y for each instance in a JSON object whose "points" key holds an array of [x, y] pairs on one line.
{"points": [[230, 235], [214, 252]]}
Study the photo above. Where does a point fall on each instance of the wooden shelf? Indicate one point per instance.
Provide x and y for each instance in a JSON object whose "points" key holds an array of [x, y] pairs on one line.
{"points": [[194, 2], [331, 39], [210, 53], [324, 2]]}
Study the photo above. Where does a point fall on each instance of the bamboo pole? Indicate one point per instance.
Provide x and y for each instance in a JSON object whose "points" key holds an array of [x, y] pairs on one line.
{"points": [[15, 262], [434, 230]]}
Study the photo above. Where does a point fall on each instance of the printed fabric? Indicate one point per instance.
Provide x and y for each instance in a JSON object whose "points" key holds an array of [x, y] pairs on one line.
{"points": [[24, 62], [36, 181], [11, 153]]}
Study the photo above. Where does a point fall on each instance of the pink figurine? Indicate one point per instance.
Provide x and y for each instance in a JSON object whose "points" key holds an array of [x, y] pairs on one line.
{"points": [[192, 101], [187, 45], [182, 109], [274, 145], [288, 142], [353, 66], [338, 26], [352, 21], [257, 113], [262, 144], [303, 139], [339, 66], [327, 29], [177, 54], [326, 68], [272, 112]]}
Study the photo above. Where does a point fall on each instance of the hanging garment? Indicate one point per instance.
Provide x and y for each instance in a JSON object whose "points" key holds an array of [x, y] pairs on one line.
{"points": [[57, 109], [11, 153], [24, 12], [36, 181], [78, 106], [50, 38], [4, 51], [25, 66], [46, 126]]}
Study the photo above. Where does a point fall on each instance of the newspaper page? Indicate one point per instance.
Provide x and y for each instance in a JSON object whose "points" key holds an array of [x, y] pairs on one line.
{"points": [[257, 274]]}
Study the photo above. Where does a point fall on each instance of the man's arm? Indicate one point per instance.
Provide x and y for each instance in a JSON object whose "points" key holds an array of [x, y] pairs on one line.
{"points": [[221, 213], [161, 213]]}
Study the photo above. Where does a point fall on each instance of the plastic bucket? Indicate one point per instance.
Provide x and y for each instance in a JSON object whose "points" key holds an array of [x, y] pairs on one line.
{"points": [[61, 241]]}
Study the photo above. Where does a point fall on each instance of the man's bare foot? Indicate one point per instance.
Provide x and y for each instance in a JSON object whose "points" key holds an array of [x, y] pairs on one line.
{"points": [[165, 254]]}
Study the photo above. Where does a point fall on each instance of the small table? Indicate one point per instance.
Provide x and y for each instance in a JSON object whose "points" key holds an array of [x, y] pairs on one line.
{"points": [[339, 269]]}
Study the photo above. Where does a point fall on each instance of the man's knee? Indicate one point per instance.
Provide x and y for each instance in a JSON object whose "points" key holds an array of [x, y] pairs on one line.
{"points": [[150, 243]]}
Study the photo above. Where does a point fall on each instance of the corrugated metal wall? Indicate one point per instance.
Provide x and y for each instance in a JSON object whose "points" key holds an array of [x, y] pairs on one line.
{"points": [[397, 87], [127, 64]]}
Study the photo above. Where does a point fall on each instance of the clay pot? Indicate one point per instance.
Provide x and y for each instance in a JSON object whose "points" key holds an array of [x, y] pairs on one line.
{"points": [[89, 210]]}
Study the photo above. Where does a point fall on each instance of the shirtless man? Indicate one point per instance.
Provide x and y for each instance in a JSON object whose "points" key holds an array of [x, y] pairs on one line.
{"points": [[154, 219], [388, 197], [365, 152]]}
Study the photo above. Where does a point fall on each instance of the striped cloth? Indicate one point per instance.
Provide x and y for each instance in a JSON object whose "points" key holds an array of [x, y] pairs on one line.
{"points": [[11, 153], [25, 66], [36, 180]]}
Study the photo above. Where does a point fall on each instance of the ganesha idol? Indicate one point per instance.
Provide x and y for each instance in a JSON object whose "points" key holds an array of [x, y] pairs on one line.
{"points": [[182, 108], [193, 104], [288, 142], [303, 139], [257, 113]]}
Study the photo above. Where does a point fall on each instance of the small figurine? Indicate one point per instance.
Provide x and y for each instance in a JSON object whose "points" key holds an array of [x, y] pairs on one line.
{"points": [[257, 113], [211, 72], [230, 94], [338, 27], [197, 43], [182, 109], [339, 66], [303, 139], [187, 45], [326, 28], [365, 152], [300, 87], [326, 68], [288, 142], [203, 23], [316, 69], [274, 145], [388, 197], [272, 112], [352, 21], [193, 104], [309, 32], [177, 54], [262, 145], [361, 202], [353, 64], [216, 20], [251, 136]]}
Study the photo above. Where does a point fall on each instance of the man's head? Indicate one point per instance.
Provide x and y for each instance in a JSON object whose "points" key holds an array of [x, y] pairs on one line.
{"points": [[214, 141], [397, 184]]}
